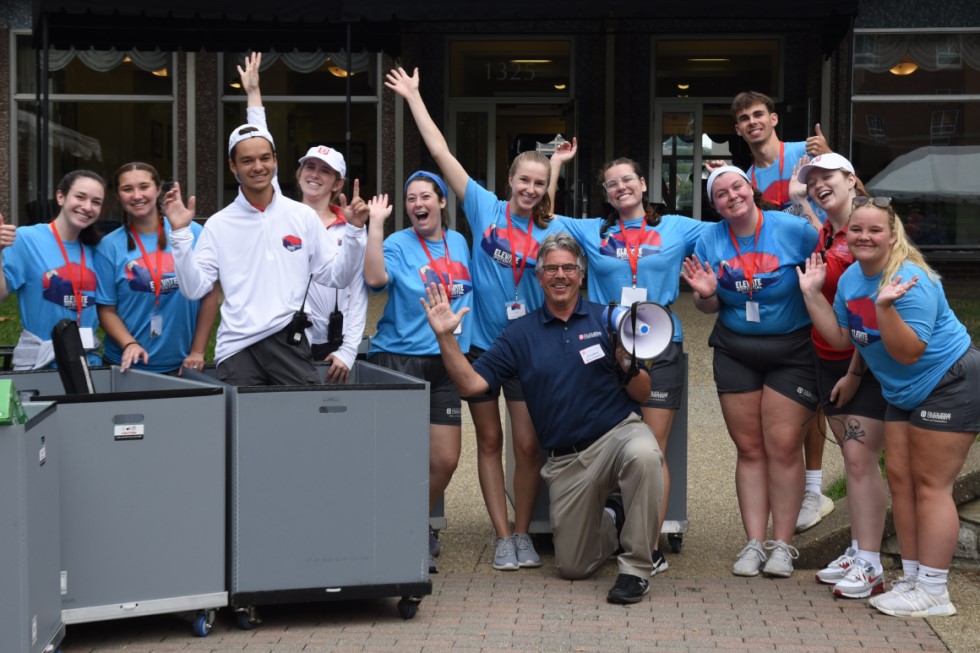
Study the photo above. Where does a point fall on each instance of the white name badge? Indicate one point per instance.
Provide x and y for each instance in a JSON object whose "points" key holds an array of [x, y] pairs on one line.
{"points": [[632, 295], [156, 325], [592, 353], [88, 337], [752, 312], [515, 310]]}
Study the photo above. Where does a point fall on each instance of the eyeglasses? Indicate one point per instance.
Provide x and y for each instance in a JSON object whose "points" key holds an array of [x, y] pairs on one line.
{"points": [[567, 268], [613, 184], [864, 200]]}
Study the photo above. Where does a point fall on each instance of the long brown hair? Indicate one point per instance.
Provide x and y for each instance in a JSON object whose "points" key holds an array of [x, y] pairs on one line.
{"points": [[541, 213], [651, 215], [134, 166]]}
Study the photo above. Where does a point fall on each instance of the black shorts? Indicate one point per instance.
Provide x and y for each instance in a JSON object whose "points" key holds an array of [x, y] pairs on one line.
{"points": [[512, 387], [867, 401], [783, 362], [952, 405], [445, 407], [667, 378]]}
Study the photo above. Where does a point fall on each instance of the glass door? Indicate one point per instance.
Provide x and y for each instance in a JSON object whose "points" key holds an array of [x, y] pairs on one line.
{"points": [[472, 131], [677, 158]]}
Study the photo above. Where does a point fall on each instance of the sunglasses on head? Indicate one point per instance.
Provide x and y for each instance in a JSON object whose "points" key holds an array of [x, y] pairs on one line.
{"points": [[863, 200]]}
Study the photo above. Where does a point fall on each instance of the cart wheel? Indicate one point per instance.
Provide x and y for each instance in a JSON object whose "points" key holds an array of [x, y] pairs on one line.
{"points": [[676, 541], [202, 626], [247, 619], [408, 607]]}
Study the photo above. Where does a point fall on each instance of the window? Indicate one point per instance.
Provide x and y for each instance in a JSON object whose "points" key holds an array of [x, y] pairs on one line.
{"points": [[106, 108], [924, 87]]}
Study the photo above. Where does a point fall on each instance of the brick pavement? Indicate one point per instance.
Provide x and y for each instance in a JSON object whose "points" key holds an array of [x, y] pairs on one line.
{"points": [[517, 611]]}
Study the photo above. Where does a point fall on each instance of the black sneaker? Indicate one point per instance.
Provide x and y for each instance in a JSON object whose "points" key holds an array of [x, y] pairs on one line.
{"points": [[628, 589], [660, 563]]}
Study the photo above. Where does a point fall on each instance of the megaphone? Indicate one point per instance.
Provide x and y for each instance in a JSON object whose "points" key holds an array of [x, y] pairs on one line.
{"points": [[644, 332]]}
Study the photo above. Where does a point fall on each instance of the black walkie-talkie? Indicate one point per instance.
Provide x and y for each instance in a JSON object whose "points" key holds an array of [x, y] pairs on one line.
{"points": [[301, 321], [335, 324]]}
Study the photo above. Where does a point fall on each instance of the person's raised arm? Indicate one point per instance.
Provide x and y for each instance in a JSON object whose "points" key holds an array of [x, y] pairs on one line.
{"points": [[821, 312], [563, 154], [375, 273], [800, 198], [817, 144], [8, 233], [407, 86], [443, 321]]}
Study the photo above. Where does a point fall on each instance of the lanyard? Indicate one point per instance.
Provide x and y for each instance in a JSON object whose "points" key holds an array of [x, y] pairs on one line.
{"points": [[513, 251], [155, 271], [633, 249], [748, 271], [76, 285], [448, 284], [779, 184]]}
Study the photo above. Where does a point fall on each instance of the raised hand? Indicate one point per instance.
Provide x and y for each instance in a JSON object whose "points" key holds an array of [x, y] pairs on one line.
{"points": [[894, 290], [699, 276], [817, 144], [797, 189], [8, 233], [566, 151], [713, 164], [378, 208], [356, 212], [180, 216], [250, 74], [811, 281], [439, 310], [400, 82]]}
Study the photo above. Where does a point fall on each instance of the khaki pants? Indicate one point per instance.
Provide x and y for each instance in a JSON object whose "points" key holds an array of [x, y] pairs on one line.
{"points": [[628, 458]]}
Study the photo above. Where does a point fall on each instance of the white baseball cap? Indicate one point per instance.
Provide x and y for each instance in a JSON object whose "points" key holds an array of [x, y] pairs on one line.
{"points": [[245, 132], [328, 155], [829, 161]]}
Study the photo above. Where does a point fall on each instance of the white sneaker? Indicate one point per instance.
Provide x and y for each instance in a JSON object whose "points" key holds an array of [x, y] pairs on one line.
{"points": [[815, 507], [915, 603], [903, 584], [860, 582], [781, 557], [749, 559], [837, 569]]}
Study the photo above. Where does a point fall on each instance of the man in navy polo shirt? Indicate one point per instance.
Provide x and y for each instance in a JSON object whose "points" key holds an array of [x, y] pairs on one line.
{"points": [[586, 412]]}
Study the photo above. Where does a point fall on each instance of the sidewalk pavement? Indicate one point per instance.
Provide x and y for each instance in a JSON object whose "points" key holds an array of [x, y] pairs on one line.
{"points": [[697, 605]]}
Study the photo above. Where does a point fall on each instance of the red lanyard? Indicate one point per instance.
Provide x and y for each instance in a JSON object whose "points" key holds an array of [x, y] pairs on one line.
{"points": [[633, 249], [779, 183], [513, 251], [156, 272], [76, 285], [448, 284], [747, 270]]}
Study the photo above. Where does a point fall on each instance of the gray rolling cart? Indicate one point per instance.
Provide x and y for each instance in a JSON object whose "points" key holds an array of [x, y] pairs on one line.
{"points": [[30, 602], [142, 495], [328, 493], [675, 523]]}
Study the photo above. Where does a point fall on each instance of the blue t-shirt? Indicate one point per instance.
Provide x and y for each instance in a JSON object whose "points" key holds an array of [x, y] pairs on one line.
{"points": [[773, 182], [403, 328], [662, 251], [785, 241], [493, 276], [45, 284], [126, 282], [925, 309], [572, 396]]}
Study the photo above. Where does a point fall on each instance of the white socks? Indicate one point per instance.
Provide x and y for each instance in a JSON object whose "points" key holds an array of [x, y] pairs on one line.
{"points": [[814, 480]]}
